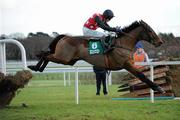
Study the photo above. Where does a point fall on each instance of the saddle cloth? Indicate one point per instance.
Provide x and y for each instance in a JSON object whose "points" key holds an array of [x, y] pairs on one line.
{"points": [[100, 45]]}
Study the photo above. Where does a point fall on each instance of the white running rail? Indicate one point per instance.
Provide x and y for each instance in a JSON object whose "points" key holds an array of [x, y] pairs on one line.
{"points": [[3, 53]]}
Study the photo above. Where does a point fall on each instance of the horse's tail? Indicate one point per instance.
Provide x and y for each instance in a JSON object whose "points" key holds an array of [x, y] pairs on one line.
{"points": [[52, 45]]}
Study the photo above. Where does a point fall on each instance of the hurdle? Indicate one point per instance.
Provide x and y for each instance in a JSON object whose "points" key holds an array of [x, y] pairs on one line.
{"points": [[152, 64]]}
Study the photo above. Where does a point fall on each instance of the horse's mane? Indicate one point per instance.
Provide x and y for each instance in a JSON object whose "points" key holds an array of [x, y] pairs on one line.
{"points": [[131, 27], [134, 25], [145, 25]]}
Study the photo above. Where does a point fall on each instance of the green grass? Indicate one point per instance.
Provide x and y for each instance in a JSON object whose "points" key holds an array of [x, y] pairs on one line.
{"points": [[84, 78], [56, 102]]}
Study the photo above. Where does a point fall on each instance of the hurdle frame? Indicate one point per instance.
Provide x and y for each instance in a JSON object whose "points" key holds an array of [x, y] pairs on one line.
{"points": [[152, 64]]}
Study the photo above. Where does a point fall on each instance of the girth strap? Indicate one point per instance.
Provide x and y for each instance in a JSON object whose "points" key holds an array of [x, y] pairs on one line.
{"points": [[106, 61]]}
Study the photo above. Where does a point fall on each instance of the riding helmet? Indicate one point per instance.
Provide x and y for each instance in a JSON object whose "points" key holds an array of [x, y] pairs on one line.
{"points": [[108, 14]]}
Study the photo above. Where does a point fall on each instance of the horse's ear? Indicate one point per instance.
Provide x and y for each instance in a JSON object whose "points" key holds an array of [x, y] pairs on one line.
{"points": [[142, 22]]}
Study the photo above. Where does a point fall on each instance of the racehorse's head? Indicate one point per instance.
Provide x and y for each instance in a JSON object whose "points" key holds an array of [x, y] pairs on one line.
{"points": [[150, 35]]}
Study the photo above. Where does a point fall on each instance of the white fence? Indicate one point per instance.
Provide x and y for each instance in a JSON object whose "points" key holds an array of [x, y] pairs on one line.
{"points": [[3, 53]]}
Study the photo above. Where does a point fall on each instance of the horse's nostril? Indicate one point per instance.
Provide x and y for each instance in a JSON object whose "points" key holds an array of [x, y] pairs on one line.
{"points": [[160, 43]]}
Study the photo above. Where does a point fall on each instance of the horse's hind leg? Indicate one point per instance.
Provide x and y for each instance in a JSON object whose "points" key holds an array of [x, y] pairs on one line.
{"points": [[37, 66], [41, 64], [129, 67], [61, 60], [41, 69]]}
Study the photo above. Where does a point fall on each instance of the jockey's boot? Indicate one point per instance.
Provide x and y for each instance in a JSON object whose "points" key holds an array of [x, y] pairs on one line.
{"points": [[106, 41], [108, 44]]}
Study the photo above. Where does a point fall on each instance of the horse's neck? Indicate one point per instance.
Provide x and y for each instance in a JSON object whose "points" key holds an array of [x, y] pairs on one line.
{"points": [[130, 39]]}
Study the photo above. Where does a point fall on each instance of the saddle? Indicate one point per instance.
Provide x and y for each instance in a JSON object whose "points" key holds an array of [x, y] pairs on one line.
{"points": [[107, 43]]}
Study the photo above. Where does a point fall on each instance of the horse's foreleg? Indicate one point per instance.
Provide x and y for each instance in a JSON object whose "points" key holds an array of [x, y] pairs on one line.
{"points": [[129, 67]]}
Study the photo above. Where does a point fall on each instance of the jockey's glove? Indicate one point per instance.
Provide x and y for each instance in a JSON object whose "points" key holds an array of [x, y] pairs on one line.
{"points": [[118, 29]]}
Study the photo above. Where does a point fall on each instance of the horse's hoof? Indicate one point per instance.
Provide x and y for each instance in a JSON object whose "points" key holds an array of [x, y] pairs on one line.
{"points": [[41, 70], [34, 68], [161, 90]]}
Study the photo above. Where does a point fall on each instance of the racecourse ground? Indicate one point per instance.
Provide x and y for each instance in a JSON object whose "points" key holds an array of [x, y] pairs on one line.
{"points": [[50, 100]]}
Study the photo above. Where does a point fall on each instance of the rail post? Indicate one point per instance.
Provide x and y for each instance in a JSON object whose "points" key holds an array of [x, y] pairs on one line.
{"points": [[3, 57], [76, 86], [152, 79]]}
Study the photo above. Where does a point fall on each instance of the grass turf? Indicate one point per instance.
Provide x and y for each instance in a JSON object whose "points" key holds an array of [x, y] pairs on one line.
{"points": [[56, 102]]}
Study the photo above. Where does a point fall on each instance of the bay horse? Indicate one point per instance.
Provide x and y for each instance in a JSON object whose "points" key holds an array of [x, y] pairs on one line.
{"points": [[66, 49]]}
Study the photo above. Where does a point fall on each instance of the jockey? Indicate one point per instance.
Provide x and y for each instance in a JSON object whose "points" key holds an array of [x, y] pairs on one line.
{"points": [[99, 20], [140, 55]]}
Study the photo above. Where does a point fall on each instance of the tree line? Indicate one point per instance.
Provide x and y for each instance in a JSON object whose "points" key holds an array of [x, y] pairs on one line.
{"points": [[36, 42]]}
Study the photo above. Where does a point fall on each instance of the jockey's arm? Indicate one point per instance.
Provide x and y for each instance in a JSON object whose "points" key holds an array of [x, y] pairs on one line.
{"points": [[104, 26]]}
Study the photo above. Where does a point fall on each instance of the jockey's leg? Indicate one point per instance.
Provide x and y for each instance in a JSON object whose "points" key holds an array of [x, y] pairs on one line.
{"points": [[108, 41], [130, 67], [93, 33]]}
